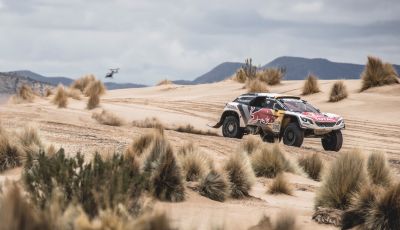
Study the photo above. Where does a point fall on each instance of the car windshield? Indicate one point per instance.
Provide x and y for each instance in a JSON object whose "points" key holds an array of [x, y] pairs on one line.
{"points": [[298, 106]]}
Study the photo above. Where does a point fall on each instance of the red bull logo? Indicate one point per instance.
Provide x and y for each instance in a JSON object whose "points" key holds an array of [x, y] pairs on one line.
{"points": [[264, 116]]}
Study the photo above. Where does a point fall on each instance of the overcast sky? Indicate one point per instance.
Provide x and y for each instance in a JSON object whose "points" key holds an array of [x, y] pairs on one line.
{"points": [[181, 39]]}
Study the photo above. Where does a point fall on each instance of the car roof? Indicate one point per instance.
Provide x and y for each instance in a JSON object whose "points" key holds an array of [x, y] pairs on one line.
{"points": [[269, 95]]}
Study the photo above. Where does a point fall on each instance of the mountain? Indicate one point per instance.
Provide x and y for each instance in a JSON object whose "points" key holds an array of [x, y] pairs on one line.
{"points": [[297, 68], [218, 73], [10, 82], [67, 81]]}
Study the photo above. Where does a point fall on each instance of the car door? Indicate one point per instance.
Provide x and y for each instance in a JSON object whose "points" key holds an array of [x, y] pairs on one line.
{"points": [[261, 112]]}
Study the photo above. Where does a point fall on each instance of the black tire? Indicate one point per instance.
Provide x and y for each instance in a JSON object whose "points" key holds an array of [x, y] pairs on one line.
{"points": [[332, 141], [267, 137], [293, 135], [231, 128]]}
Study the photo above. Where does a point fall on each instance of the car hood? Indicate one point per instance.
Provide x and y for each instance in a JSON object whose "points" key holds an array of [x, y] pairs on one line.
{"points": [[321, 117]]}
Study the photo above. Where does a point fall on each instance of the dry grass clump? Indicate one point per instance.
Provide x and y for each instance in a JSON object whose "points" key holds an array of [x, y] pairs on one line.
{"points": [[61, 97], [345, 177], [338, 92], [271, 76], [191, 129], [250, 145], [107, 118], [24, 94], [311, 85], [149, 123], [194, 164], [94, 90], [312, 165], [280, 185], [48, 92], [140, 144], [164, 82], [378, 169], [166, 179], [240, 76], [377, 73], [83, 82], [269, 161], [10, 153], [240, 175], [74, 93], [153, 221], [284, 221], [214, 186], [256, 86]]}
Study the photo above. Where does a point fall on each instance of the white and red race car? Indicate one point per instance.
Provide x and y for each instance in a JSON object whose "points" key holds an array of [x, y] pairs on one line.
{"points": [[275, 116]]}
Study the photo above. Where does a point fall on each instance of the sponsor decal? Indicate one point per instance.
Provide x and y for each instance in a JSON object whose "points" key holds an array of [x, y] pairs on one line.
{"points": [[319, 117], [263, 115]]}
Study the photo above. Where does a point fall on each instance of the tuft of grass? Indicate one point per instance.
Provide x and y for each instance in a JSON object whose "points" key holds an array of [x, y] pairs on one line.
{"points": [[271, 76], [240, 76], [312, 165], [140, 144], [153, 221], [250, 145], [107, 118], [377, 73], [48, 92], [284, 221], [385, 212], [74, 93], [190, 129], [280, 185], [159, 147], [378, 169], [311, 85], [24, 94], [10, 153], [94, 90], [194, 164], [83, 82], [338, 92], [149, 123], [256, 86], [240, 175], [360, 207], [269, 161], [345, 177], [214, 186], [29, 140], [166, 181], [61, 97], [164, 82]]}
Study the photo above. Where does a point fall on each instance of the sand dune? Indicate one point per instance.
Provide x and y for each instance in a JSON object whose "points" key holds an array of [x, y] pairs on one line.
{"points": [[372, 123]]}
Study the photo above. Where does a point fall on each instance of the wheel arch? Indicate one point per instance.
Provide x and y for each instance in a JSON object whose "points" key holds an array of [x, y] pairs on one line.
{"points": [[287, 118], [228, 113]]}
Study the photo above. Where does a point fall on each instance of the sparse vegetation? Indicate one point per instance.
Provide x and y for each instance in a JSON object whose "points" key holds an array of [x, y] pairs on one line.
{"points": [[215, 186], [83, 82], [312, 165], [284, 221], [240, 175], [191, 129], [10, 153], [250, 145], [107, 118], [140, 144], [61, 97], [74, 93], [338, 92], [256, 86], [24, 94], [94, 90], [149, 123], [378, 169], [164, 82], [194, 164], [345, 177], [29, 140], [377, 73], [311, 85], [271, 76], [269, 161], [48, 92], [280, 185]]}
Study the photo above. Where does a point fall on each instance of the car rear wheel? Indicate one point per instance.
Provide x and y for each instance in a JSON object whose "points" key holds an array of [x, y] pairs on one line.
{"points": [[231, 128], [293, 135], [332, 141]]}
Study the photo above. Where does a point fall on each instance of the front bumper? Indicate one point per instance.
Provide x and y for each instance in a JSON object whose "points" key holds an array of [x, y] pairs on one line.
{"points": [[323, 126]]}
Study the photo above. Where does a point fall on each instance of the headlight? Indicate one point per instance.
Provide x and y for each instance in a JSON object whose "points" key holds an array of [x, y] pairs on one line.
{"points": [[306, 120], [339, 122]]}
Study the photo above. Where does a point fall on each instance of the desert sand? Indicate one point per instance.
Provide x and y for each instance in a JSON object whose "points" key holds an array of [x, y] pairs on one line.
{"points": [[372, 123]]}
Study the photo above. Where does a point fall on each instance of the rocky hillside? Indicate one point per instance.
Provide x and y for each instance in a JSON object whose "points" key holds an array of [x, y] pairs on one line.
{"points": [[10, 82]]}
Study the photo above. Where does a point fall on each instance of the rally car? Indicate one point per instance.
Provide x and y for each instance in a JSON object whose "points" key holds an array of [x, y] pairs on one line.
{"points": [[276, 117]]}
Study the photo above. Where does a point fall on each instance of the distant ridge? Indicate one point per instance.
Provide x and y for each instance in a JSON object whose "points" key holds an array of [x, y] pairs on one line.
{"points": [[297, 68], [10, 82], [67, 81]]}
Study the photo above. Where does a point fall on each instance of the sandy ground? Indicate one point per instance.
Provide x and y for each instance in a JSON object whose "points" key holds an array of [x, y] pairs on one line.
{"points": [[372, 123]]}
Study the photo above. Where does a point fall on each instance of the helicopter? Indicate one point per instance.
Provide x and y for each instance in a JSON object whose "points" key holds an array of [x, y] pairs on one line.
{"points": [[111, 73]]}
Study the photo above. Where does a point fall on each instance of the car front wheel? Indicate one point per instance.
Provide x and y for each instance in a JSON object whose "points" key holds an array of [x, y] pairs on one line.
{"points": [[293, 135], [231, 128], [332, 141]]}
